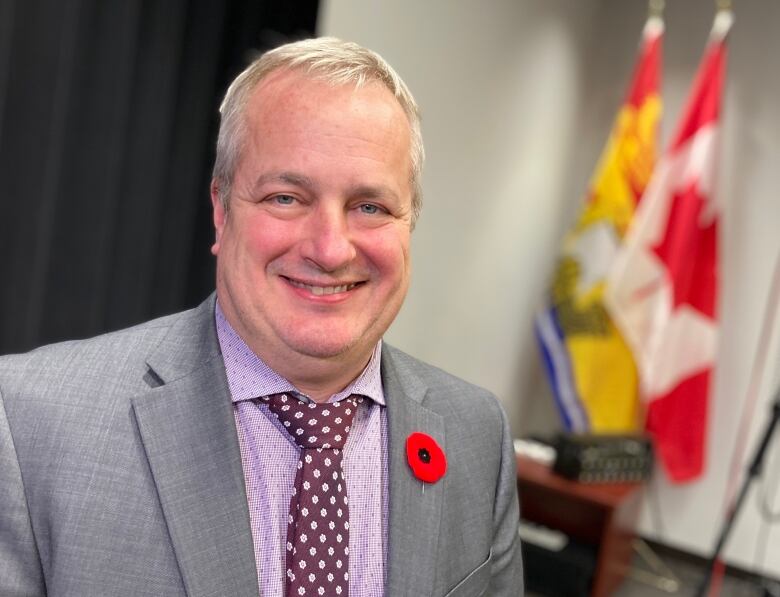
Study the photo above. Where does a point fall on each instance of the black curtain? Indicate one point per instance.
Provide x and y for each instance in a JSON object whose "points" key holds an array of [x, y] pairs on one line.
{"points": [[108, 115]]}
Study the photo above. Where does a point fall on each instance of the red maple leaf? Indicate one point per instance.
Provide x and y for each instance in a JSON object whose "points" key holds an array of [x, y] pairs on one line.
{"points": [[689, 252]]}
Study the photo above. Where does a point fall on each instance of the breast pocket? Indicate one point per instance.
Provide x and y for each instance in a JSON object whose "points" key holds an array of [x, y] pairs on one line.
{"points": [[476, 582]]}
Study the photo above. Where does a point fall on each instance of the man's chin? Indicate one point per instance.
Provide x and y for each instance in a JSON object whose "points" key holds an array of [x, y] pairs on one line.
{"points": [[327, 346], [325, 351]]}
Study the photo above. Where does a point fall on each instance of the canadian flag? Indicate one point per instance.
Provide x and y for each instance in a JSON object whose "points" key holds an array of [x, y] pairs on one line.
{"points": [[662, 288]]}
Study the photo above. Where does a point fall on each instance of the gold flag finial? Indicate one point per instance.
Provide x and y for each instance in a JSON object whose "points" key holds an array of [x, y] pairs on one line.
{"points": [[721, 5], [655, 8]]}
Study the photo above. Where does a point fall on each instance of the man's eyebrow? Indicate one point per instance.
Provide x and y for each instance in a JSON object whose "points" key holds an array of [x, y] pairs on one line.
{"points": [[292, 178], [372, 192], [361, 191]]}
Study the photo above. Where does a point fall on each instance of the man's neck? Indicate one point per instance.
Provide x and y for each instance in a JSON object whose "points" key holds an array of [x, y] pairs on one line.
{"points": [[322, 378]]}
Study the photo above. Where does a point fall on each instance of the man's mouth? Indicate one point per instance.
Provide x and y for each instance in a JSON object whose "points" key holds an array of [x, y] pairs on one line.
{"points": [[322, 290]]}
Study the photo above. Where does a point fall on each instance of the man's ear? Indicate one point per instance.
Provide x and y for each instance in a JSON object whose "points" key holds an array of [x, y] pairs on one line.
{"points": [[218, 214]]}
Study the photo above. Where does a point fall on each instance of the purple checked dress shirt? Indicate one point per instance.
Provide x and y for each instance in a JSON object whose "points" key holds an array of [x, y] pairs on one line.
{"points": [[270, 460]]}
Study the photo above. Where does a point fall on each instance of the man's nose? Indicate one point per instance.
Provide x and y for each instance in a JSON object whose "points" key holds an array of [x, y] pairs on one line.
{"points": [[328, 243]]}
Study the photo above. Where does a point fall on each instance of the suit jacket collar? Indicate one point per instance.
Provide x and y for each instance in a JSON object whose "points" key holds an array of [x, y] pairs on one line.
{"points": [[414, 506], [188, 431], [191, 342]]}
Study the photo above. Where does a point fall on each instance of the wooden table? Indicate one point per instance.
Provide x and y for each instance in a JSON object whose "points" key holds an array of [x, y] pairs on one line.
{"points": [[602, 515]]}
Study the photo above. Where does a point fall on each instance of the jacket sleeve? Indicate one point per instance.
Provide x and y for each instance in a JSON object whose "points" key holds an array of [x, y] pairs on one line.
{"points": [[20, 568], [506, 561]]}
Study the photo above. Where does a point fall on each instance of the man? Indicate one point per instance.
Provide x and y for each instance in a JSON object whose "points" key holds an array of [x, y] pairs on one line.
{"points": [[172, 458]]}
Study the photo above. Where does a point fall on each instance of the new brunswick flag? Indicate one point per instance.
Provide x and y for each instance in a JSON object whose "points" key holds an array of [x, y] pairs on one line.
{"points": [[662, 289], [589, 365]]}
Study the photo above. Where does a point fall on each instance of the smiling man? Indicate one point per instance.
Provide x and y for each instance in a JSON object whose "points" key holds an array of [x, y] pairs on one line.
{"points": [[268, 442], [313, 240]]}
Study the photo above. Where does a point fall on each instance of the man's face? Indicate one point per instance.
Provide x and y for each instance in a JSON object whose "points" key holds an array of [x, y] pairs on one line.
{"points": [[313, 253]]}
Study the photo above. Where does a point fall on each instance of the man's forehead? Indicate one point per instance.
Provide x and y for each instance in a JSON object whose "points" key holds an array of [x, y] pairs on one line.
{"points": [[290, 108], [290, 101]]}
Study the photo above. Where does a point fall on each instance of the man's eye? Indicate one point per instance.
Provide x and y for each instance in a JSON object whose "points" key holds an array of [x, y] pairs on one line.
{"points": [[368, 208], [283, 199]]}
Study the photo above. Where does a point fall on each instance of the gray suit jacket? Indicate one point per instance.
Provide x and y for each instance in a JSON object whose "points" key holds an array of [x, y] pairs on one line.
{"points": [[120, 473]]}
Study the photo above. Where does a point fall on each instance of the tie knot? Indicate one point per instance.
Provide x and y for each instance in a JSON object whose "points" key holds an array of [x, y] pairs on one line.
{"points": [[314, 425]]}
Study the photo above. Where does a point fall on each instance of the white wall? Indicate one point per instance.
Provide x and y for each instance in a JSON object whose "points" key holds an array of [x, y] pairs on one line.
{"points": [[499, 127], [517, 99]]}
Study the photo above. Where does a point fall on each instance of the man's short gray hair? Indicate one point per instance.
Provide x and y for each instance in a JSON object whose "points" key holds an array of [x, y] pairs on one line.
{"points": [[328, 59]]}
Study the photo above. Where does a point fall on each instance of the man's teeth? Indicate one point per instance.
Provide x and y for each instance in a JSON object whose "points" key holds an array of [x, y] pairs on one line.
{"points": [[321, 290]]}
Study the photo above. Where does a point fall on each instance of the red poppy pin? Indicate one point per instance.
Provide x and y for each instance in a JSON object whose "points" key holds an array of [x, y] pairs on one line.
{"points": [[425, 457]]}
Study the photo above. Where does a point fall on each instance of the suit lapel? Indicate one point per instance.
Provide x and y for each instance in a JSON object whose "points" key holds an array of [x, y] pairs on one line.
{"points": [[414, 506], [188, 432]]}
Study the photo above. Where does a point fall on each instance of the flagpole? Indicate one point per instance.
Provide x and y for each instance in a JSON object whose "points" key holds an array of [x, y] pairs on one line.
{"points": [[753, 472], [655, 17], [756, 376]]}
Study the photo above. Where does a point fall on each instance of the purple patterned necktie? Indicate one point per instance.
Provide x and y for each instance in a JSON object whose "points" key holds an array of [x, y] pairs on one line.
{"points": [[318, 522]]}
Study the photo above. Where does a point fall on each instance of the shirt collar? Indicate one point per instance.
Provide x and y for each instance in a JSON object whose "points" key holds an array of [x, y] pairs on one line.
{"points": [[250, 377]]}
